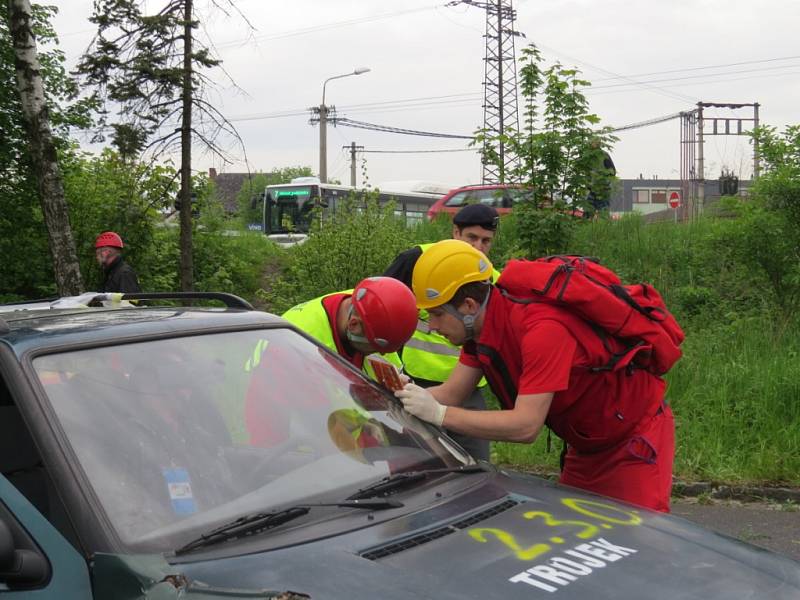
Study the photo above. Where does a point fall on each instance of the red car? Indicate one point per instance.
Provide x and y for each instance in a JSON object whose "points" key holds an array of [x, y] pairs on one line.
{"points": [[500, 196]]}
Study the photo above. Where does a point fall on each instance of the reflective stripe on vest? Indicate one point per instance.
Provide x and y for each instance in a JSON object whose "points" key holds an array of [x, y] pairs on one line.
{"points": [[426, 341], [429, 356], [255, 357]]}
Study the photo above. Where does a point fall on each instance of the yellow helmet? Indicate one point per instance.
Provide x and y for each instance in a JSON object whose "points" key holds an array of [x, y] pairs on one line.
{"points": [[443, 268]]}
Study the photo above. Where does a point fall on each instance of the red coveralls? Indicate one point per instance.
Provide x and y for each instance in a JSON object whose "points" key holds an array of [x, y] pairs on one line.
{"points": [[621, 434]]}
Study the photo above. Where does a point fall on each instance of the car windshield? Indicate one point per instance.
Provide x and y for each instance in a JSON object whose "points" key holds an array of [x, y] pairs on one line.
{"points": [[176, 435], [492, 197], [496, 197]]}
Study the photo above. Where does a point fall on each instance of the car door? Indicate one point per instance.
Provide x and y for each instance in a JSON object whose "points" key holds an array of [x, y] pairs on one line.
{"points": [[54, 569]]}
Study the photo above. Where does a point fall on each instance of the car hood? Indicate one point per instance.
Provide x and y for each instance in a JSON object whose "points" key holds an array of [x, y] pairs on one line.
{"points": [[513, 536]]}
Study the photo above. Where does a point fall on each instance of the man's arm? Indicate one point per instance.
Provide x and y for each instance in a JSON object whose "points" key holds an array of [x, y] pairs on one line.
{"points": [[460, 384], [520, 424], [430, 404]]}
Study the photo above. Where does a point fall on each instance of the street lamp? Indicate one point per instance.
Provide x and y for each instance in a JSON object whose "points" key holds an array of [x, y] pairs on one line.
{"points": [[323, 124]]}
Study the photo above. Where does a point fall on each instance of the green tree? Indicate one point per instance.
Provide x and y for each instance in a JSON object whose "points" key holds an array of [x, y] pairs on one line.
{"points": [[251, 195], [109, 192], [559, 148], [769, 236], [779, 185], [27, 269], [153, 69]]}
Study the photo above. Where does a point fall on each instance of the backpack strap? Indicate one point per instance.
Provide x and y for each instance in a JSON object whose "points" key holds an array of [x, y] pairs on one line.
{"points": [[618, 359]]}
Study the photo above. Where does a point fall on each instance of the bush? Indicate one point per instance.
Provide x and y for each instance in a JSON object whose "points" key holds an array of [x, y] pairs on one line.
{"points": [[538, 231], [356, 242]]}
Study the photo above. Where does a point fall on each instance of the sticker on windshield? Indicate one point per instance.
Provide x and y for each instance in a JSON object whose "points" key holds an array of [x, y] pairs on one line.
{"points": [[180, 491]]}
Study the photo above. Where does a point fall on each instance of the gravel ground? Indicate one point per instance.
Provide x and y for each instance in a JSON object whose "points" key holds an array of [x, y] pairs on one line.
{"points": [[769, 524]]}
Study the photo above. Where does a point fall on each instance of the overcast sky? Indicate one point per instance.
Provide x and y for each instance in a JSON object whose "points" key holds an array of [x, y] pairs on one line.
{"points": [[427, 70]]}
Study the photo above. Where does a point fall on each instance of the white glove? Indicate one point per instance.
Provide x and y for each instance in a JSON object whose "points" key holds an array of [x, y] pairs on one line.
{"points": [[421, 403], [402, 418]]}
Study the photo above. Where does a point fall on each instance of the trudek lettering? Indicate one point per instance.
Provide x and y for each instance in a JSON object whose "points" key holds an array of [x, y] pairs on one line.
{"points": [[580, 561]]}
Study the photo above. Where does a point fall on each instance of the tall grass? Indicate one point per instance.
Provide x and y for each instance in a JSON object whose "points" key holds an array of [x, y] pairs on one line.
{"points": [[736, 398], [736, 391]]}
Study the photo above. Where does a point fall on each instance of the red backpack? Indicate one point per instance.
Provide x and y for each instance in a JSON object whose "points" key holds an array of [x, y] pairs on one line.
{"points": [[633, 314]]}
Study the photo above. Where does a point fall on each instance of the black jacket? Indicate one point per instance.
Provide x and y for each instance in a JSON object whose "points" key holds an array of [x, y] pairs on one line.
{"points": [[402, 268], [119, 276]]}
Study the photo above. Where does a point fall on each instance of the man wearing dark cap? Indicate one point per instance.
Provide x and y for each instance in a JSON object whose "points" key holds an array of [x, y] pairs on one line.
{"points": [[428, 358]]}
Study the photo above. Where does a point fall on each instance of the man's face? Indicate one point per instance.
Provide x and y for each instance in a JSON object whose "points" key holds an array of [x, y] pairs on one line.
{"points": [[102, 255], [445, 324], [476, 236], [356, 327]]}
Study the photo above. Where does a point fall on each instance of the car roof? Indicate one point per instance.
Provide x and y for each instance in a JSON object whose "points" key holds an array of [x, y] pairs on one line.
{"points": [[40, 329], [486, 186]]}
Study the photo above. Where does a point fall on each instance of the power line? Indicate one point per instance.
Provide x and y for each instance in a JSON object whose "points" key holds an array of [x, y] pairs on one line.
{"points": [[694, 83], [463, 99], [721, 66], [704, 75], [417, 151], [371, 104], [326, 26], [305, 31], [389, 129], [646, 123], [275, 115], [663, 92]]}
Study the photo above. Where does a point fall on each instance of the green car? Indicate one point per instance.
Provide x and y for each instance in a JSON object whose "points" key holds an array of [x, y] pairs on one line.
{"points": [[168, 451]]}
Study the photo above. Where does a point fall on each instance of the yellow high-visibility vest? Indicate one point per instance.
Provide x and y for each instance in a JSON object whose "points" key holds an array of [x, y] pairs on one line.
{"points": [[312, 318]]}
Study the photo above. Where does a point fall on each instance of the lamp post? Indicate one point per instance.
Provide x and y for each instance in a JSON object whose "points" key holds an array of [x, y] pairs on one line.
{"points": [[323, 125]]}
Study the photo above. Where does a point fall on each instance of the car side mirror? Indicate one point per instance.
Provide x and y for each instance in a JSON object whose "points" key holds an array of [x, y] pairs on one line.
{"points": [[20, 567]]}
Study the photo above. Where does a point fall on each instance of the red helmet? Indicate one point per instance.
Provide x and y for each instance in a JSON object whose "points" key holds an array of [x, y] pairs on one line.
{"points": [[388, 311], [108, 238]]}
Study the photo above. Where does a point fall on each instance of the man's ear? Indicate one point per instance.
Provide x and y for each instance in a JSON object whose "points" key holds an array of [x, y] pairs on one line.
{"points": [[472, 305]]}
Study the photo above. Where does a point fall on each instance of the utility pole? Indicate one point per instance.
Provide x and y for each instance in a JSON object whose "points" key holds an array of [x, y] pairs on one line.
{"points": [[698, 123], [500, 81], [323, 143], [353, 149], [756, 150], [322, 118], [701, 174]]}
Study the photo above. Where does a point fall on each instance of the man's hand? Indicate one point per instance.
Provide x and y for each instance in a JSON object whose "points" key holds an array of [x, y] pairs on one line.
{"points": [[421, 403], [402, 418]]}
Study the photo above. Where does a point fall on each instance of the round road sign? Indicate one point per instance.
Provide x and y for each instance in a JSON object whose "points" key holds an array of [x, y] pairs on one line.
{"points": [[674, 199]]}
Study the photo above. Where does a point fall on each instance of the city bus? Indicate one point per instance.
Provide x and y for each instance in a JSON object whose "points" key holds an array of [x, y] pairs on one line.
{"points": [[288, 207]]}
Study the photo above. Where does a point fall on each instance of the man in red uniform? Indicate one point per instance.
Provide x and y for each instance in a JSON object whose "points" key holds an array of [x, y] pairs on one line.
{"points": [[538, 359]]}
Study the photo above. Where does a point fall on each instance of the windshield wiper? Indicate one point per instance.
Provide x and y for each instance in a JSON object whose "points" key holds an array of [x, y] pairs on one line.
{"points": [[258, 522], [400, 480]]}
